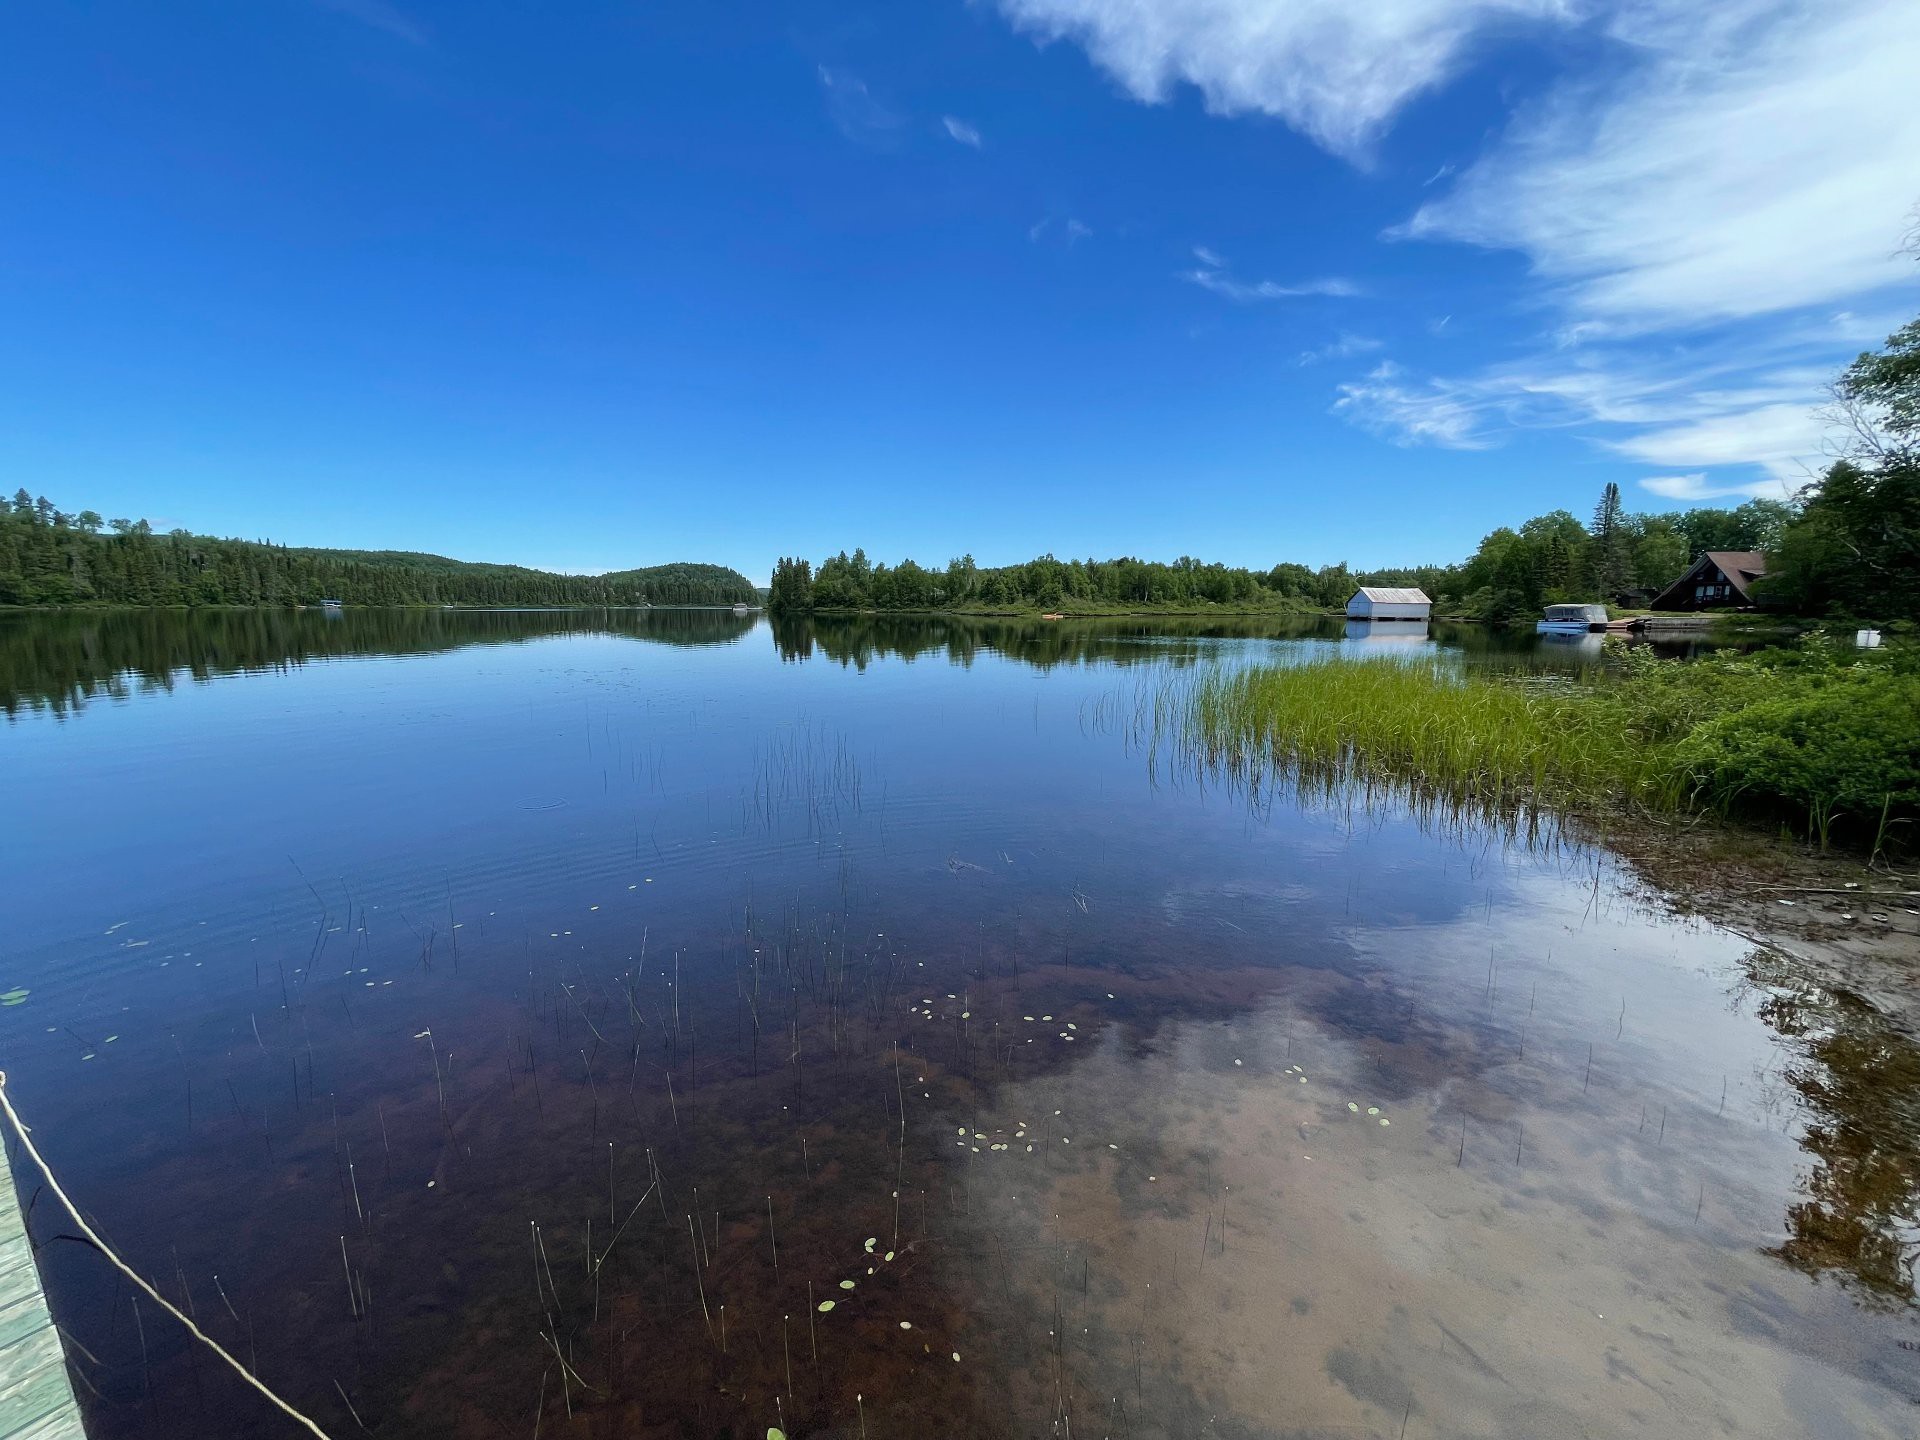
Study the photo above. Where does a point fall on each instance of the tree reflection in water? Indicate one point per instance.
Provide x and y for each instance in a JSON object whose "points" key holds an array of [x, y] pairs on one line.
{"points": [[1857, 1073]]}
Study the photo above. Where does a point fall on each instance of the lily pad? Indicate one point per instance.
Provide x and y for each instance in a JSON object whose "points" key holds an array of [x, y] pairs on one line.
{"points": [[825, 1306], [846, 1284]]}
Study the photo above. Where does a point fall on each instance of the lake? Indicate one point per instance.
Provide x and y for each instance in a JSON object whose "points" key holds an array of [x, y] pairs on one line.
{"points": [[675, 1023]]}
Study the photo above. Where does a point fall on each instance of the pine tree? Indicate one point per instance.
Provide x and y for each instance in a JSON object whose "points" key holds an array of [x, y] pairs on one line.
{"points": [[1611, 560]]}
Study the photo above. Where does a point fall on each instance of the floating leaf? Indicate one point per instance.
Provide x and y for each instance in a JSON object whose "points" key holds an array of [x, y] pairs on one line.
{"points": [[1353, 1107], [846, 1284], [825, 1305], [871, 1242], [906, 1324], [1373, 1109], [14, 997], [774, 1432], [1385, 1121]]}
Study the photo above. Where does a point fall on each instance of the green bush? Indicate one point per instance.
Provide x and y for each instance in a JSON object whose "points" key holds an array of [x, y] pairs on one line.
{"points": [[1840, 747]]}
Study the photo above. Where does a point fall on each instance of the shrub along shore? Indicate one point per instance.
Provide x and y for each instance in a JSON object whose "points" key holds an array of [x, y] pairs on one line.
{"points": [[1819, 740]]}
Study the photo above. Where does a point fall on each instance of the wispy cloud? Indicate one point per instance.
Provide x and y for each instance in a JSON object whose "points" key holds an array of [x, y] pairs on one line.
{"points": [[1344, 348], [1697, 487], [1758, 159], [380, 15], [1068, 231], [1407, 412], [1336, 70], [1785, 439], [856, 114], [1708, 225], [1245, 292], [1741, 429], [961, 131], [1694, 209], [1212, 274]]}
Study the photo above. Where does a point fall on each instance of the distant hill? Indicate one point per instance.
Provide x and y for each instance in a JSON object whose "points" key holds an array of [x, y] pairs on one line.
{"points": [[48, 557], [689, 583]]}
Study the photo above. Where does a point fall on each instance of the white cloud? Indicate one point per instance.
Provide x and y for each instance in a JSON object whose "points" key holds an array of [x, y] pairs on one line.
{"points": [[1212, 275], [1708, 196], [1786, 440], [1336, 70], [1345, 348], [1696, 487], [1733, 428], [1759, 158], [1244, 292], [1071, 231], [855, 113], [961, 131], [1415, 413]]}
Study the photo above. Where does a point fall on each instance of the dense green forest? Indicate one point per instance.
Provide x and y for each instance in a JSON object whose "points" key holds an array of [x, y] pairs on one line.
{"points": [[1848, 545], [1552, 558], [48, 557]]}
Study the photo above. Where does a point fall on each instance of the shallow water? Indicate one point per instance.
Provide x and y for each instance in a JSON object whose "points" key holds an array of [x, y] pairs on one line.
{"points": [[503, 1024]]}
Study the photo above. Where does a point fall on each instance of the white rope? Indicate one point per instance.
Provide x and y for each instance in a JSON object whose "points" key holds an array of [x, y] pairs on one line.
{"points": [[20, 1127]]}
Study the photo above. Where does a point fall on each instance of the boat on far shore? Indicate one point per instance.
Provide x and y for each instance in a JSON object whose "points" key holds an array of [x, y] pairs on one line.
{"points": [[1573, 620]]}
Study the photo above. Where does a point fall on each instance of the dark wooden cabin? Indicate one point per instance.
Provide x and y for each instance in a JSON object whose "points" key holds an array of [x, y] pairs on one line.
{"points": [[1718, 580]]}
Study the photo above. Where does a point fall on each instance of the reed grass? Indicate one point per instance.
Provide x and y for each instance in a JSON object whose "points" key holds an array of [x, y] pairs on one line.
{"points": [[1800, 738], [1482, 748]]}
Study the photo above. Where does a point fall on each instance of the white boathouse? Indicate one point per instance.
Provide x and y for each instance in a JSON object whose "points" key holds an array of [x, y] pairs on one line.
{"points": [[1389, 602]]}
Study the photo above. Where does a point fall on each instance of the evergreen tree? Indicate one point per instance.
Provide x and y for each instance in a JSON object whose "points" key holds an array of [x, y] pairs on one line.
{"points": [[1610, 559]]}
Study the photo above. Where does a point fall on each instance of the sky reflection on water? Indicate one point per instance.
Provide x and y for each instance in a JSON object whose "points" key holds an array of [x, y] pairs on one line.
{"points": [[507, 991]]}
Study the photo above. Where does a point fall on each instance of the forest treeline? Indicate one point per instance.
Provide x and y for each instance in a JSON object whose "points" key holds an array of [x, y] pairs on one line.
{"points": [[1514, 572], [1847, 545], [48, 557]]}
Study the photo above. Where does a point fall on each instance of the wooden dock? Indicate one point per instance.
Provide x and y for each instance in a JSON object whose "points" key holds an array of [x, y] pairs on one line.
{"points": [[36, 1397]]}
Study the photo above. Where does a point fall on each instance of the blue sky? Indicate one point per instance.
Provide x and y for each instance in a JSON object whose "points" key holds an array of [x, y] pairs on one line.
{"points": [[602, 284]]}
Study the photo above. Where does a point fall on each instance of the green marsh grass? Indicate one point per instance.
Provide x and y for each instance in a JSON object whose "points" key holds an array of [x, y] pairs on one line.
{"points": [[1815, 738], [1478, 749]]}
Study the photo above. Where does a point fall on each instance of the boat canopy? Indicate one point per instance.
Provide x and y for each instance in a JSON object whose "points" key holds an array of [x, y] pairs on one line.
{"points": [[1591, 614]]}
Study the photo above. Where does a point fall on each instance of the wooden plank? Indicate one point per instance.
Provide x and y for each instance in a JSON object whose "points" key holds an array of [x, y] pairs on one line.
{"points": [[36, 1395]]}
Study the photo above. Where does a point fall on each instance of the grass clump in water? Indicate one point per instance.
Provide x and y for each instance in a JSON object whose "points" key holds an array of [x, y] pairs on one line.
{"points": [[1821, 739]]}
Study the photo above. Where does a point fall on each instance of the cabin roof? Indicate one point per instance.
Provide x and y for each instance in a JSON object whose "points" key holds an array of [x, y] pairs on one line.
{"points": [[1392, 595], [1741, 567]]}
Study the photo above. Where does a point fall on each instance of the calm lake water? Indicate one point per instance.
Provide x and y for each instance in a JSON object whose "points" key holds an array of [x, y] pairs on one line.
{"points": [[671, 1024]]}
